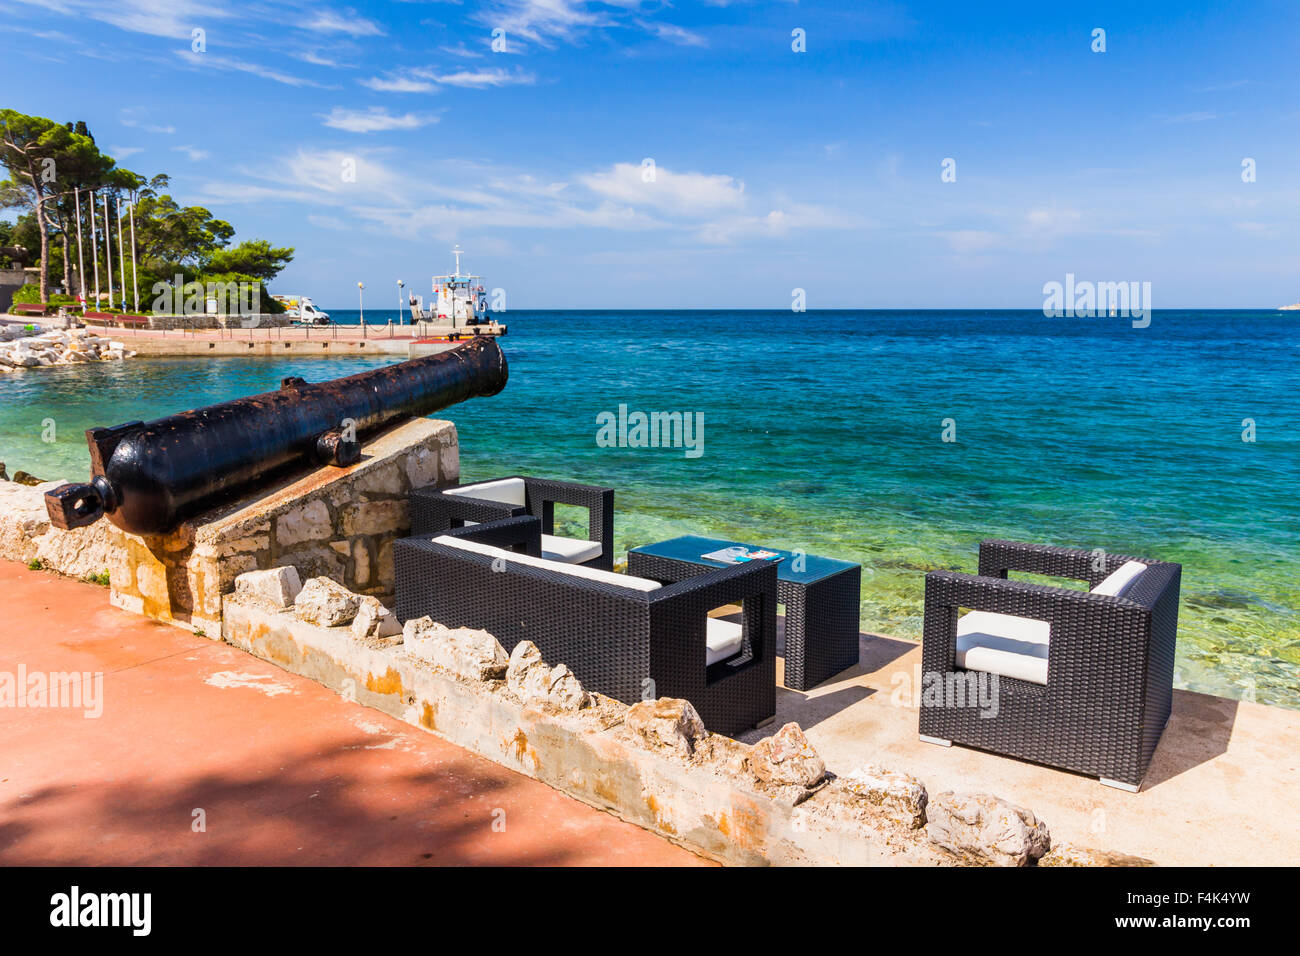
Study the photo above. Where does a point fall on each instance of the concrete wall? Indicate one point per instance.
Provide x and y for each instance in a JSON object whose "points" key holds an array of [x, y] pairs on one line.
{"points": [[11, 280]]}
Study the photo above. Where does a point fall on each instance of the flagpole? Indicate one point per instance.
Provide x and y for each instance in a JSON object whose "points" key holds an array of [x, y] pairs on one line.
{"points": [[81, 256], [94, 246], [108, 250], [135, 278], [121, 259]]}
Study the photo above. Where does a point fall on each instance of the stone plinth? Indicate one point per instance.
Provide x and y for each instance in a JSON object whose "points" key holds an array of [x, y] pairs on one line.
{"points": [[333, 522]]}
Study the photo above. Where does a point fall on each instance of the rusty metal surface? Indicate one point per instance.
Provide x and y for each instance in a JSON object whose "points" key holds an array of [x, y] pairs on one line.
{"points": [[147, 477]]}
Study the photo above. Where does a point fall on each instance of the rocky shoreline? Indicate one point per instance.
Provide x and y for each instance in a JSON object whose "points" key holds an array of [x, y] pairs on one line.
{"points": [[22, 348]]}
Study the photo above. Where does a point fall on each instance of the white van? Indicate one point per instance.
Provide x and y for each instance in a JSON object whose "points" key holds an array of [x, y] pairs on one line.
{"points": [[302, 308]]}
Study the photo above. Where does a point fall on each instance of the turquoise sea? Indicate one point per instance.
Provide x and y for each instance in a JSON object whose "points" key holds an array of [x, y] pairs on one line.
{"points": [[823, 431]]}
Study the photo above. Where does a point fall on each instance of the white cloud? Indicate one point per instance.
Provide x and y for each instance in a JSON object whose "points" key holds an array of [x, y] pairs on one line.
{"points": [[122, 152], [326, 222], [673, 34], [192, 152], [376, 119], [541, 21], [162, 18], [444, 196], [134, 116], [425, 80], [460, 49], [683, 193], [315, 59], [1197, 117], [481, 79], [349, 22], [216, 62], [398, 84], [972, 240]]}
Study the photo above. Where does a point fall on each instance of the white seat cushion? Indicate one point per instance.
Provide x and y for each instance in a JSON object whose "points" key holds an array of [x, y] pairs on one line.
{"points": [[510, 491], [591, 574], [569, 550], [723, 639], [1004, 644], [1120, 578]]}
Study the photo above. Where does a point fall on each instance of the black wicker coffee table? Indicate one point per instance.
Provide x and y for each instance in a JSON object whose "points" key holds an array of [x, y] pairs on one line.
{"points": [[820, 595]]}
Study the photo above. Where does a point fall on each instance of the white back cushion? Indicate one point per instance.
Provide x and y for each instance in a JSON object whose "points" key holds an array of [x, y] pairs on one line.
{"points": [[568, 550], [722, 639], [1004, 644], [510, 491], [577, 571], [1120, 578]]}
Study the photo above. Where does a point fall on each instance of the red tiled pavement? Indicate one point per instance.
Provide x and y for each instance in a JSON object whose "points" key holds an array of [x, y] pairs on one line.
{"points": [[285, 771]]}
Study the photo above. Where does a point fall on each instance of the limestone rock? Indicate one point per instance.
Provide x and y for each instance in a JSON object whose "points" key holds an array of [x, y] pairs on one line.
{"points": [[375, 622], [526, 672], [553, 688], [466, 652], [787, 758], [1067, 854], [982, 829], [275, 588], [900, 795], [669, 724], [310, 522], [327, 603]]}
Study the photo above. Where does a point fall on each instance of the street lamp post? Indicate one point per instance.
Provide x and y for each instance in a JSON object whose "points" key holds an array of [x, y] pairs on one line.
{"points": [[361, 301], [400, 284]]}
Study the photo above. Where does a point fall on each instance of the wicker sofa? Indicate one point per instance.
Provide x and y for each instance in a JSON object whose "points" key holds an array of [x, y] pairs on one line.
{"points": [[1084, 680], [629, 638], [435, 510]]}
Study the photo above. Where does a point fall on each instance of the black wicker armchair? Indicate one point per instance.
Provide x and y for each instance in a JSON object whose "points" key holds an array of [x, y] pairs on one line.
{"points": [[434, 510], [626, 637], [1080, 680]]}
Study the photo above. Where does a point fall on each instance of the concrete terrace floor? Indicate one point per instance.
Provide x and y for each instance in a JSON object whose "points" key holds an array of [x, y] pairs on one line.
{"points": [[284, 770], [1221, 789]]}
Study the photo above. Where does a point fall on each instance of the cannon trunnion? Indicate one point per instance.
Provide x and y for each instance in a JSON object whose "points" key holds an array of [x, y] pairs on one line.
{"points": [[148, 477]]}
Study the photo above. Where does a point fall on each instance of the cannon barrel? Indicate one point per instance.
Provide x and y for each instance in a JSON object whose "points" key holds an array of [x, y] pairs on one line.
{"points": [[147, 477]]}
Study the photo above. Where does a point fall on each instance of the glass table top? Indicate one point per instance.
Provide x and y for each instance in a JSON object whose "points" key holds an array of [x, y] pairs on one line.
{"points": [[692, 548]]}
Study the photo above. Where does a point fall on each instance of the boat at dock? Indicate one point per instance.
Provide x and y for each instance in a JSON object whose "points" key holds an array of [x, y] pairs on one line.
{"points": [[459, 306]]}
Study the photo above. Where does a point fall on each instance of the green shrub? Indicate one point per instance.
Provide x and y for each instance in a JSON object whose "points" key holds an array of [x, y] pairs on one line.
{"points": [[30, 294]]}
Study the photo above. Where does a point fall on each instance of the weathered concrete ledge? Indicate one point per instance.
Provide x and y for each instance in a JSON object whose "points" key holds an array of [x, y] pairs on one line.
{"points": [[652, 764]]}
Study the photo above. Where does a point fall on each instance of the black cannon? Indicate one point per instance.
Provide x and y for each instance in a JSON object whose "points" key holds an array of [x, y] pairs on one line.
{"points": [[148, 477]]}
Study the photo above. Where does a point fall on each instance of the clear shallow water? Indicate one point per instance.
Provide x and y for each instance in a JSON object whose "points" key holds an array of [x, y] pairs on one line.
{"points": [[825, 434]]}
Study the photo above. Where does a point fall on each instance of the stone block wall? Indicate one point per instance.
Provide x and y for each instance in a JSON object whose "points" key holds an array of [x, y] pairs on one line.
{"points": [[332, 522]]}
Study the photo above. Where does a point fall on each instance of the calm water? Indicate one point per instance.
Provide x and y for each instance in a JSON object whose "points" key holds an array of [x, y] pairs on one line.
{"points": [[825, 434]]}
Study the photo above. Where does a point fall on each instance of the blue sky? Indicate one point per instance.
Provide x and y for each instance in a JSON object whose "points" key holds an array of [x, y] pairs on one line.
{"points": [[773, 169]]}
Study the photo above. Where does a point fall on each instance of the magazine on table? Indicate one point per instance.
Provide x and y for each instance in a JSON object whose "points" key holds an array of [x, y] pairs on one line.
{"points": [[739, 554]]}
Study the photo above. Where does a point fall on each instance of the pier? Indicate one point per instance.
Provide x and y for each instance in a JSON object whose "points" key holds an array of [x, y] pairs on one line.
{"points": [[392, 341]]}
